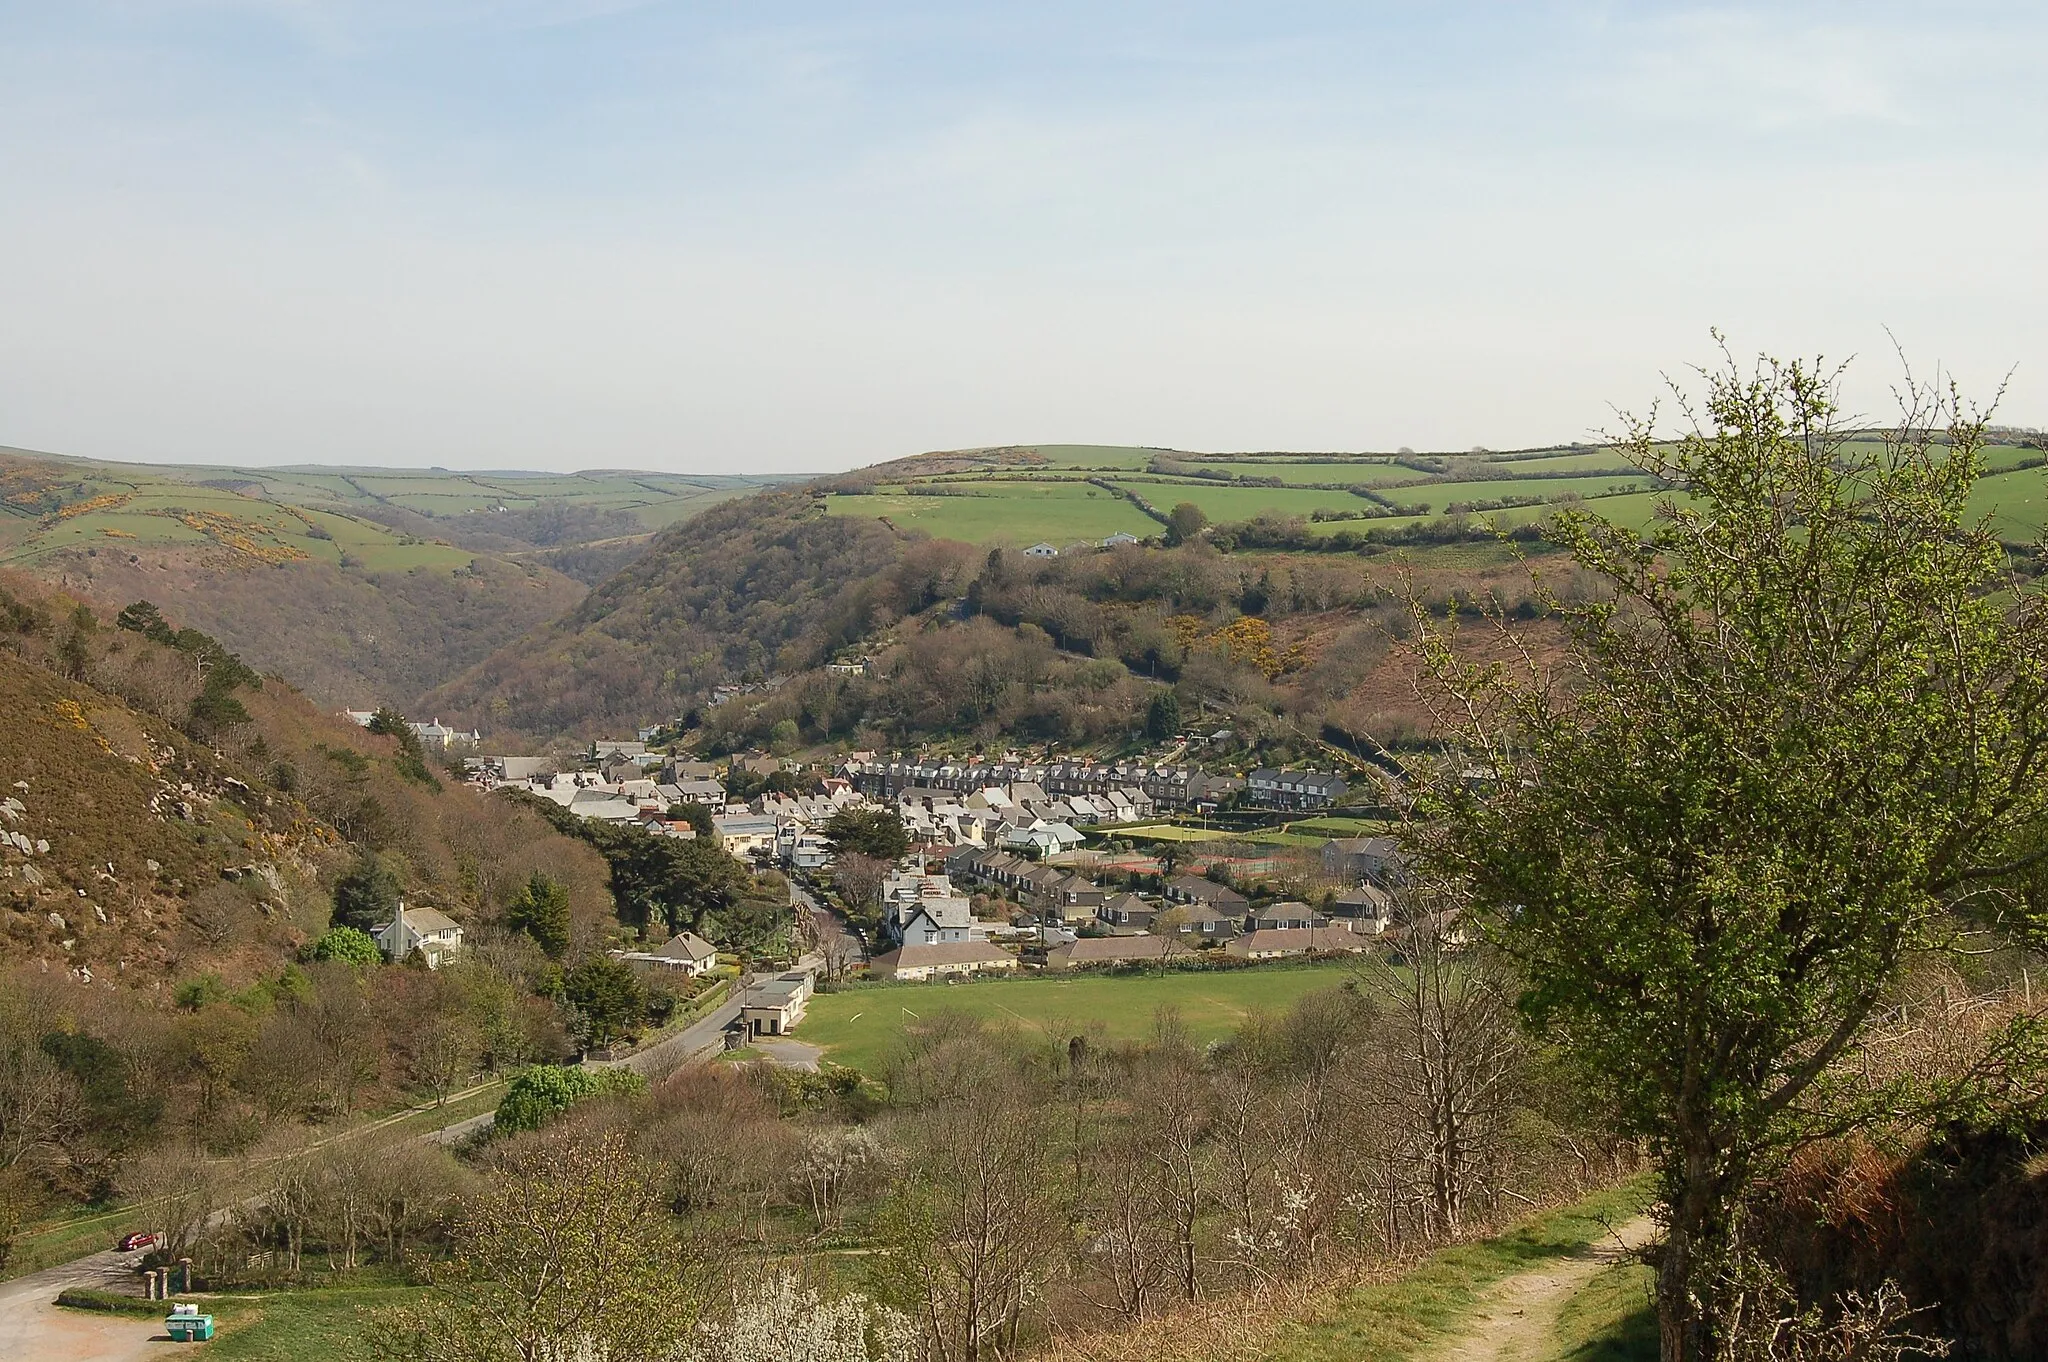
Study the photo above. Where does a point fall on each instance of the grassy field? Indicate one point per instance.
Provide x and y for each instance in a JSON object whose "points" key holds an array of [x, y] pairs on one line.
{"points": [[860, 1026], [1014, 512]]}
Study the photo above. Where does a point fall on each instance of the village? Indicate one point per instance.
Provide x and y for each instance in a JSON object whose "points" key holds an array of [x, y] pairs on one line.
{"points": [[1006, 865]]}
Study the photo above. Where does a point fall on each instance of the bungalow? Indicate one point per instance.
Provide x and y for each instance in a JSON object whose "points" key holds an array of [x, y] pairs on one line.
{"points": [[940, 960], [1283, 917], [688, 954], [1114, 950], [432, 933], [1278, 942], [1119, 538], [1041, 550], [1195, 889]]}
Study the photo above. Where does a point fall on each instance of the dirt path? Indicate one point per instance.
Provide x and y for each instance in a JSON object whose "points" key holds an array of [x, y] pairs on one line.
{"points": [[1515, 1317]]}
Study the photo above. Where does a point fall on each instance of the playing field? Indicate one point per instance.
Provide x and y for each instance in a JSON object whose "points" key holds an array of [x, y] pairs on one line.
{"points": [[860, 1027]]}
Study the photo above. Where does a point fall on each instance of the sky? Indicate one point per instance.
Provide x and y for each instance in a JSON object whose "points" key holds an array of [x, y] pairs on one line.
{"points": [[801, 237]]}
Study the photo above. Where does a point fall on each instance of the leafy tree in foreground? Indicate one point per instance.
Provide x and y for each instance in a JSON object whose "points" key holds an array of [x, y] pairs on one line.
{"points": [[541, 910], [1796, 744]]}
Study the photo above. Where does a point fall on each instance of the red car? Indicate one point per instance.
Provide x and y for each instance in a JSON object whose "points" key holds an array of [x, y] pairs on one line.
{"points": [[141, 1239]]}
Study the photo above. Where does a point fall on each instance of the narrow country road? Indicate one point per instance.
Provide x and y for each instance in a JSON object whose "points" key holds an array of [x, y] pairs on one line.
{"points": [[33, 1329], [1515, 1319]]}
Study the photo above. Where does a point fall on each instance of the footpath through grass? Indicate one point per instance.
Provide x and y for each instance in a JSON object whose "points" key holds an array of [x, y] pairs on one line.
{"points": [[861, 1026], [1401, 1319]]}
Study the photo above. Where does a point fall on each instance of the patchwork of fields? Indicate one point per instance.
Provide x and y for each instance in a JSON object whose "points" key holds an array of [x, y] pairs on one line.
{"points": [[1070, 495]]}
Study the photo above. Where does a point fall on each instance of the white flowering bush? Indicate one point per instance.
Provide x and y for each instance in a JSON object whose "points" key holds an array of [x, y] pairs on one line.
{"points": [[781, 1321]]}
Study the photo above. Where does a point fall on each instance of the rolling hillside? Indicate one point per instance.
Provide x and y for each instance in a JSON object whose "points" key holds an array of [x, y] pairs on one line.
{"points": [[153, 823], [363, 585], [1278, 621]]}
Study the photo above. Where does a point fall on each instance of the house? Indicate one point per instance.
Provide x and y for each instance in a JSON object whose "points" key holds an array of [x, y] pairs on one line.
{"points": [[1114, 950], [606, 806], [941, 960], [435, 734], [1041, 550], [1195, 889], [522, 768], [1281, 917], [688, 954], [675, 770], [1375, 859], [743, 834], [1278, 942], [1127, 910], [1205, 921], [431, 932], [697, 790], [929, 922], [775, 1007], [1119, 538], [1367, 908], [1294, 789]]}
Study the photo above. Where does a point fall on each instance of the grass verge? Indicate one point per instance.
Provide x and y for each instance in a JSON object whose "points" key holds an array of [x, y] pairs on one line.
{"points": [[1395, 1320], [1610, 1319]]}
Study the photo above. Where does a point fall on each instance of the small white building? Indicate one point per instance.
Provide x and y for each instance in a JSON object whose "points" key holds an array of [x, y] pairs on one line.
{"points": [[1041, 550], [431, 932], [1120, 537]]}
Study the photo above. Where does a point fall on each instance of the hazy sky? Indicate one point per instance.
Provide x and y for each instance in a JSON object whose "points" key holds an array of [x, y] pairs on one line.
{"points": [[791, 236]]}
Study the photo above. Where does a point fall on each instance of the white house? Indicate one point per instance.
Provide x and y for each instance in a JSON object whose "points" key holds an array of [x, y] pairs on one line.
{"points": [[431, 932], [1041, 550], [688, 954], [1120, 537]]}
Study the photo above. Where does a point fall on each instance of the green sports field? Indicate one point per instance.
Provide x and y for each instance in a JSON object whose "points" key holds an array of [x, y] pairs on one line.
{"points": [[860, 1027]]}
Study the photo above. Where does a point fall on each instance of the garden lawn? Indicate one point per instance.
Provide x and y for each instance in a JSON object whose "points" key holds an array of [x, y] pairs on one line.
{"points": [[860, 1026]]}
